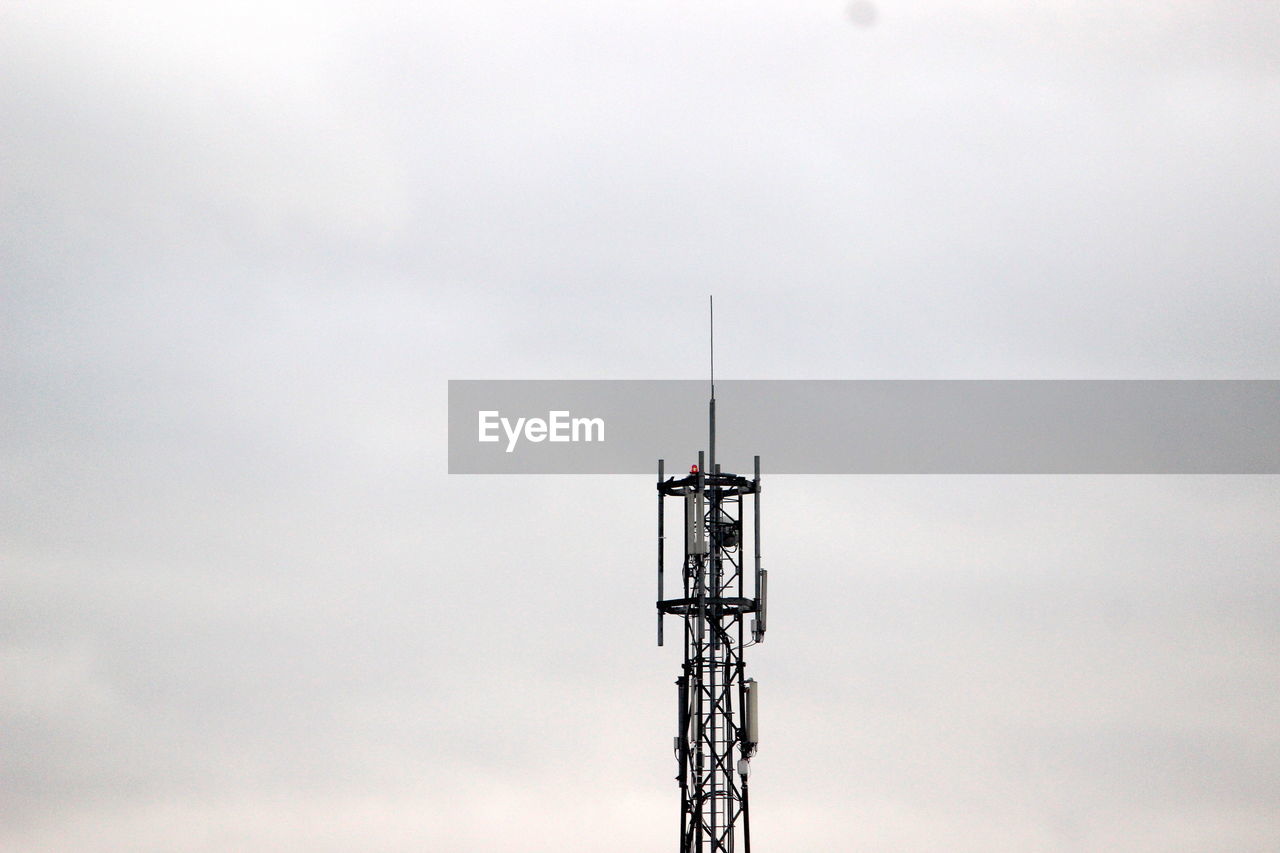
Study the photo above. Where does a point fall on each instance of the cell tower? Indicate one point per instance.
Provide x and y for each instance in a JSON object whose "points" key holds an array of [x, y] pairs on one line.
{"points": [[716, 721]]}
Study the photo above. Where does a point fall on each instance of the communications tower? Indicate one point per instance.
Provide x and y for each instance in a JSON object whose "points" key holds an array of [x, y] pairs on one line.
{"points": [[716, 719]]}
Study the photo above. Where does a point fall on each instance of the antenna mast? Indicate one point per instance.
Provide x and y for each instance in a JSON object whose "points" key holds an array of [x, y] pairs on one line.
{"points": [[711, 303], [716, 719]]}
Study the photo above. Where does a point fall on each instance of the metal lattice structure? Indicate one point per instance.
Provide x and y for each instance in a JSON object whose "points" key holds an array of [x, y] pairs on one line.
{"points": [[716, 706]]}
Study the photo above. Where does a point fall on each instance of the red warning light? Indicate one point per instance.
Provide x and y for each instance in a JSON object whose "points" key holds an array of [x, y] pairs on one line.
{"points": [[693, 469]]}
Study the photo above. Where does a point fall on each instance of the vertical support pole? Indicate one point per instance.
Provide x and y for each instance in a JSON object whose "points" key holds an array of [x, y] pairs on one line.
{"points": [[756, 514], [700, 488], [711, 458], [711, 305], [702, 683], [758, 624], [661, 549]]}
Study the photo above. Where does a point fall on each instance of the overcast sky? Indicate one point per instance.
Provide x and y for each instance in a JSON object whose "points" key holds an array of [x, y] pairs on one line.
{"points": [[245, 245]]}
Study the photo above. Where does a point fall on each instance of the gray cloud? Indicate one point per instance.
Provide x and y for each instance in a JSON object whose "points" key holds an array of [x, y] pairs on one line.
{"points": [[244, 248]]}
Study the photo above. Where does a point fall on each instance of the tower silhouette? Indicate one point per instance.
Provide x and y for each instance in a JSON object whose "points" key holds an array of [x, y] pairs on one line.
{"points": [[716, 717]]}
